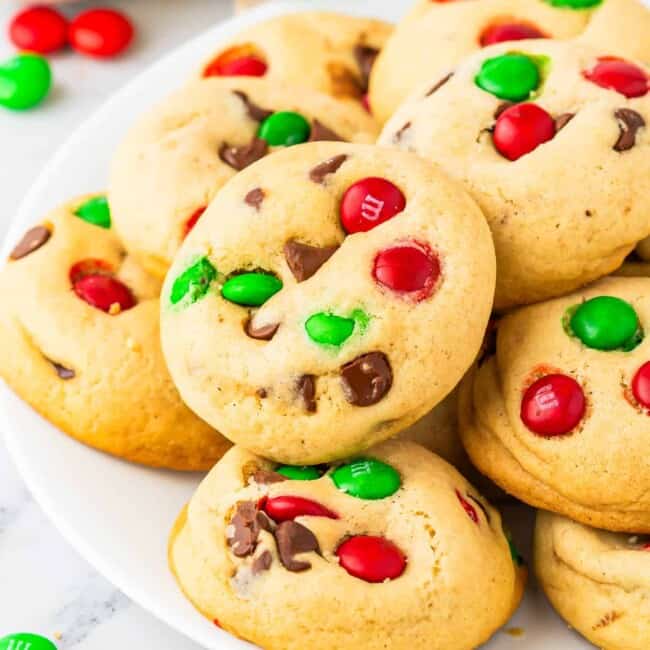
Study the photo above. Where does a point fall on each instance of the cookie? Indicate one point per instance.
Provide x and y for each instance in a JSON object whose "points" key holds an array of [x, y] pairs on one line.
{"points": [[599, 582], [175, 158], [436, 36], [558, 415], [327, 52], [270, 314], [561, 176], [79, 341], [395, 544]]}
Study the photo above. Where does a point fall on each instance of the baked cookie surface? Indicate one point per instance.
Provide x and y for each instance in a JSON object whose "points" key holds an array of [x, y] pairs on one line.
{"points": [[435, 36], [176, 157], [265, 551], [599, 582], [558, 414], [324, 285], [553, 172], [79, 341], [324, 51]]}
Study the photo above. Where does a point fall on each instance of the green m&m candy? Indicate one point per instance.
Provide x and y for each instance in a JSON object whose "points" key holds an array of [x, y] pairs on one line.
{"points": [[194, 282], [574, 4], [284, 129], [251, 289], [367, 478], [95, 211], [329, 329], [510, 76], [296, 473], [606, 323], [25, 641], [25, 81]]}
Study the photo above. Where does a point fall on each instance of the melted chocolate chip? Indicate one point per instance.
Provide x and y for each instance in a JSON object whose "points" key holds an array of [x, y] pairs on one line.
{"points": [[240, 157], [330, 166], [255, 197], [399, 134], [305, 260], [306, 386], [246, 529], [32, 240], [254, 111], [266, 477], [62, 372], [320, 133], [366, 57], [263, 333], [262, 393], [503, 106], [629, 122], [262, 563], [562, 120], [293, 538], [439, 85], [366, 379]]}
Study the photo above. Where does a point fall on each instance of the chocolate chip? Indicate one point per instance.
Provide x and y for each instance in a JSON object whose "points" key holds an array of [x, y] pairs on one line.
{"points": [[441, 83], [262, 393], [32, 240], [329, 166], [293, 538], [307, 388], [240, 157], [255, 197], [254, 111], [503, 106], [629, 122], [262, 563], [63, 373], [246, 529], [366, 57], [320, 133], [398, 134], [562, 120], [366, 379], [263, 333], [305, 260], [266, 477]]}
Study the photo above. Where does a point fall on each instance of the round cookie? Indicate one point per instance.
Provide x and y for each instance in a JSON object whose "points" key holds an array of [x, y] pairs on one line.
{"points": [[324, 51], [435, 36], [599, 582], [264, 550], [79, 341], [558, 414], [551, 173], [271, 314], [176, 157]]}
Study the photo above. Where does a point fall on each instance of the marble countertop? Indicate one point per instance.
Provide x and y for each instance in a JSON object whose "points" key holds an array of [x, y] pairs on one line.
{"points": [[46, 587]]}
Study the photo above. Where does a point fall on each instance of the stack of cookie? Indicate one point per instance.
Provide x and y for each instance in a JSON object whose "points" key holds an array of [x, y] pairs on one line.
{"points": [[317, 245]]}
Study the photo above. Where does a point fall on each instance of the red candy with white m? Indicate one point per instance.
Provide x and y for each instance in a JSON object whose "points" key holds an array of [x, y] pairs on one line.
{"points": [[370, 202]]}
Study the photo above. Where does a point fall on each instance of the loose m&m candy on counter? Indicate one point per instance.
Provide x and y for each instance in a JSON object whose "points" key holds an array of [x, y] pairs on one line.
{"points": [[25, 81], [26, 641]]}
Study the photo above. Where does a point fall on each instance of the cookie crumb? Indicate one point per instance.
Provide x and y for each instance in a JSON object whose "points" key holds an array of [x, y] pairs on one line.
{"points": [[115, 309]]}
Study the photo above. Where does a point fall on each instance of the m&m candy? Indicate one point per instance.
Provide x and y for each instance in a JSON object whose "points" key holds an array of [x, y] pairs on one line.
{"points": [[606, 323], [641, 385], [244, 66], [284, 129], [407, 268], [510, 76], [373, 559], [25, 81], [251, 289], [287, 508], [105, 293], [553, 406], [194, 283], [574, 4], [329, 329], [616, 74], [95, 211], [26, 641], [39, 29], [367, 478], [299, 473], [102, 33], [520, 129], [370, 202], [509, 32]]}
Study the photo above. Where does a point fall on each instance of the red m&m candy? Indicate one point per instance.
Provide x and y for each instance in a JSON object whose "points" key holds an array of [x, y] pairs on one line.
{"points": [[39, 29], [287, 508], [509, 32], [553, 405], [522, 128], [368, 203], [619, 75], [373, 559], [101, 32], [104, 292], [468, 507], [193, 220], [238, 61], [409, 268], [641, 385]]}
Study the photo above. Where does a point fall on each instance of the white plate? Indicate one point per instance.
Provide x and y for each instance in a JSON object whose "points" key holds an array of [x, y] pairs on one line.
{"points": [[115, 514]]}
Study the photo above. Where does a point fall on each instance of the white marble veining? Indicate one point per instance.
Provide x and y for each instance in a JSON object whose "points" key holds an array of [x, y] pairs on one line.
{"points": [[45, 587]]}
